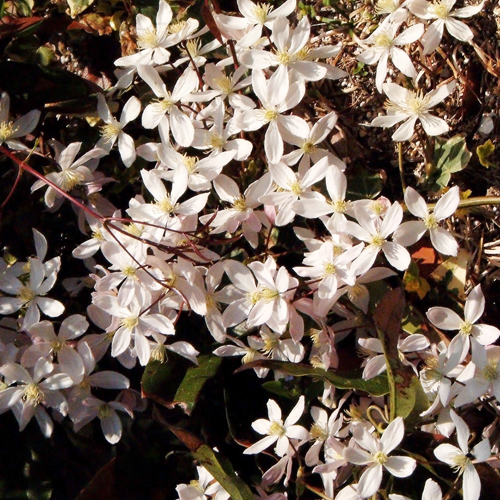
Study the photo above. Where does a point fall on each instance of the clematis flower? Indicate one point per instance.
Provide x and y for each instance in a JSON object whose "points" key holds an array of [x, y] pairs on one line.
{"points": [[410, 232], [374, 453], [248, 29], [446, 319], [10, 131], [461, 458], [441, 11], [33, 393], [277, 431], [411, 106], [113, 129], [166, 104], [432, 491], [385, 45], [73, 173]]}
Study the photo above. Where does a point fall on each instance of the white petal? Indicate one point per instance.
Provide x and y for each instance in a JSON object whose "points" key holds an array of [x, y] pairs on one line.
{"points": [[444, 318]]}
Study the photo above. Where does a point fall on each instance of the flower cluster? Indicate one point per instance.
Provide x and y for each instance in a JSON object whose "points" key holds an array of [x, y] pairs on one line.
{"points": [[231, 164]]}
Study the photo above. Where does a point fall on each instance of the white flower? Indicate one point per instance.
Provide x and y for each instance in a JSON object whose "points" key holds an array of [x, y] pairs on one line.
{"points": [[111, 424], [33, 393], [410, 232], [73, 173], [277, 431], [167, 103], [432, 491], [277, 96], [49, 343], [385, 45], [377, 457], [10, 131], [30, 293], [411, 106], [440, 10], [248, 30], [446, 319], [460, 458], [113, 129], [376, 236]]}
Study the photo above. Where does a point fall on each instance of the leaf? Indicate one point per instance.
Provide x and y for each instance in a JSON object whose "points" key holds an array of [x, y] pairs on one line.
{"points": [[450, 156], [453, 271], [178, 382], [188, 391], [364, 183], [282, 388], [414, 283], [215, 463], [406, 395], [222, 470], [78, 6], [484, 151], [376, 386]]}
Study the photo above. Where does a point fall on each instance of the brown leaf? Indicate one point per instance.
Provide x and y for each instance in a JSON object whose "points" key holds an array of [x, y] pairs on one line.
{"points": [[388, 318]]}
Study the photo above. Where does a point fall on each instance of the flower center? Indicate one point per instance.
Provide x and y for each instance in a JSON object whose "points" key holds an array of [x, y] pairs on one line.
{"points": [[460, 462], [270, 115], [380, 458], [386, 6], [129, 271], [224, 84], [439, 9], [308, 147], [270, 343], [130, 323], [465, 328], [417, 102], [163, 105], [56, 345], [159, 353], [175, 27], [276, 429], [215, 141], [70, 179], [249, 356], [295, 188], [190, 163], [384, 40], [339, 206], [318, 432], [148, 39], [133, 229], [110, 132], [6, 131], [166, 206], [430, 222], [329, 268], [104, 411], [490, 373], [26, 294], [240, 204], [377, 241], [261, 12], [284, 57], [268, 294], [32, 394], [192, 48]]}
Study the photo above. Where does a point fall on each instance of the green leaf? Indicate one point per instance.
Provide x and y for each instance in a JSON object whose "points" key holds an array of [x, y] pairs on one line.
{"points": [[484, 151], [177, 381], [406, 395], [78, 6], [364, 183], [188, 391], [215, 463], [282, 388], [376, 386], [450, 156], [222, 470]]}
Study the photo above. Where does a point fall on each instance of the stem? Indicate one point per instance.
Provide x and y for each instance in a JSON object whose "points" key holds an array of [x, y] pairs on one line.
{"points": [[54, 186], [400, 162]]}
